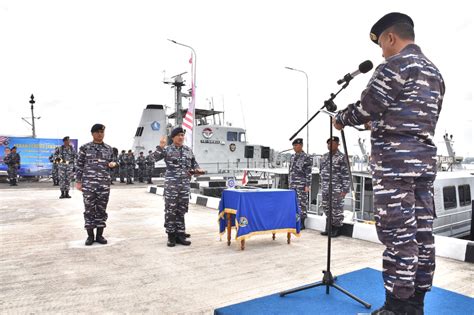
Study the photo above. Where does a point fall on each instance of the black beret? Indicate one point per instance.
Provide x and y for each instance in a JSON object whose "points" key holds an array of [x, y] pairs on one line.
{"points": [[386, 21], [129, 151], [13, 148], [297, 141], [66, 138], [150, 151], [97, 127], [335, 139], [177, 131], [141, 152]]}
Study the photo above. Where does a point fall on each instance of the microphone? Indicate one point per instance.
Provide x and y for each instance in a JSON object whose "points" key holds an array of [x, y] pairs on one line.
{"points": [[364, 67]]}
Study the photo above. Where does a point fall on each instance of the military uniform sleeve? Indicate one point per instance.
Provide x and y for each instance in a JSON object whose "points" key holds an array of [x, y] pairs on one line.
{"points": [[383, 90], [345, 180], [80, 163], [56, 154], [159, 154], [194, 163], [308, 168]]}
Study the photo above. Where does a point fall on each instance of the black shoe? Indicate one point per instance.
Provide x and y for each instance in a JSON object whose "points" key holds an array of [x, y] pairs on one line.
{"points": [[122, 181], [66, 194], [149, 182], [394, 306], [90, 237], [336, 231], [112, 183], [99, 238], [63, 195], [171, 239], [181, 239], [325, 233], [187, 235], [302, 225]]}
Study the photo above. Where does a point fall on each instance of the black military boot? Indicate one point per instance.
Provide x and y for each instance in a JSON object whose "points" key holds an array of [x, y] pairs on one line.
{"points": [[90, 237], [325, 232], [63, 194], [99, 238], [14, 182], [171, 239], [66, 194], [392, 306], [181, 239], [302, 225], [149, 181], [336, 231], [416, 303]]}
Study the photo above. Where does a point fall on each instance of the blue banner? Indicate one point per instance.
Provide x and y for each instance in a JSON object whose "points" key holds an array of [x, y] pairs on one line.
{"points": [[260, 211], [34, 153]]}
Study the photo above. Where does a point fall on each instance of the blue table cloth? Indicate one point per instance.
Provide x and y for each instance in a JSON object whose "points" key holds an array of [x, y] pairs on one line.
{"points": [[260, 211]]}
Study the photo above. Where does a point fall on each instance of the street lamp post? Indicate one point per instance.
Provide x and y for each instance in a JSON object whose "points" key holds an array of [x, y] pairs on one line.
{"points": [[307, 105], [32, 123]]}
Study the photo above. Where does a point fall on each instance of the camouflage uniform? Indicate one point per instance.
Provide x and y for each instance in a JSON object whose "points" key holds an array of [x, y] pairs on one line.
{"points": [[92, 171], [179, 161], [54, 170], [403, 100], [141, 167], [130, 161], [299, 178], [114, 172], [13, 161], [66, 157], [150, 165], [340, 184], [123, 166]]}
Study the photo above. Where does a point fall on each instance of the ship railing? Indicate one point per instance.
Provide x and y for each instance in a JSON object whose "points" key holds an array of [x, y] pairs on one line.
{"points": [[452, 224]]}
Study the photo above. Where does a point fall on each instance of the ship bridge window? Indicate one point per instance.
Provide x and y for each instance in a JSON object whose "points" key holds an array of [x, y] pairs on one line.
{"points": [[139, 132], [242, 137], [464, 192], [231, 136], [449, 197]]}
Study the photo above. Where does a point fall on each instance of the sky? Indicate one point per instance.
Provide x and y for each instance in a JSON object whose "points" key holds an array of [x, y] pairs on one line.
{"points": [[90, 62]]}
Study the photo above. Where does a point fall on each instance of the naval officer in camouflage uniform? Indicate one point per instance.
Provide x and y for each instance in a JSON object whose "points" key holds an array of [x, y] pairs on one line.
{"points": [[300, 177], [150, 165], [141, 167], [180, 165], [340, 185], [13, 161], [123, 166], [95, 159], [54, 169], [66, 156], [402, 101], [130, 162]]}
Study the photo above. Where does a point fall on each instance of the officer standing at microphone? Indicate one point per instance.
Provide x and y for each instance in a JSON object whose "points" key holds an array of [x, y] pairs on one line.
{"points": [[402, 101]]}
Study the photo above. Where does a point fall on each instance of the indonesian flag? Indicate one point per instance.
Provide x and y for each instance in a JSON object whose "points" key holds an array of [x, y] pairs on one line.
{"points": [[188, 120], [245, 180]]}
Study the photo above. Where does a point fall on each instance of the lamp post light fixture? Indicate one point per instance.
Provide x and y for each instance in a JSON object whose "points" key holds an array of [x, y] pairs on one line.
{"points": [[32, 123], [307, 104]]}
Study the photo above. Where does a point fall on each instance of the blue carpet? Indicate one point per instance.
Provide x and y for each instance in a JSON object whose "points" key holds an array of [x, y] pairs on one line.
{"points": [[364, 283]]}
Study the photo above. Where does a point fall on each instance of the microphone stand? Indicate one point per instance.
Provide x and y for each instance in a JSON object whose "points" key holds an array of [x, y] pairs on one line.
{"points": [[328, 279]]}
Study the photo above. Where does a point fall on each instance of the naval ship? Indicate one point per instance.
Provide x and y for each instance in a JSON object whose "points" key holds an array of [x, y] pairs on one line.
{"points": [[218, 147]]}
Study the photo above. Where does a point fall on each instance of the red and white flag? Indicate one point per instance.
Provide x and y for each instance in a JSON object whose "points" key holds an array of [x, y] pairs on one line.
{"points": [[188, 120], [245, 180]]}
